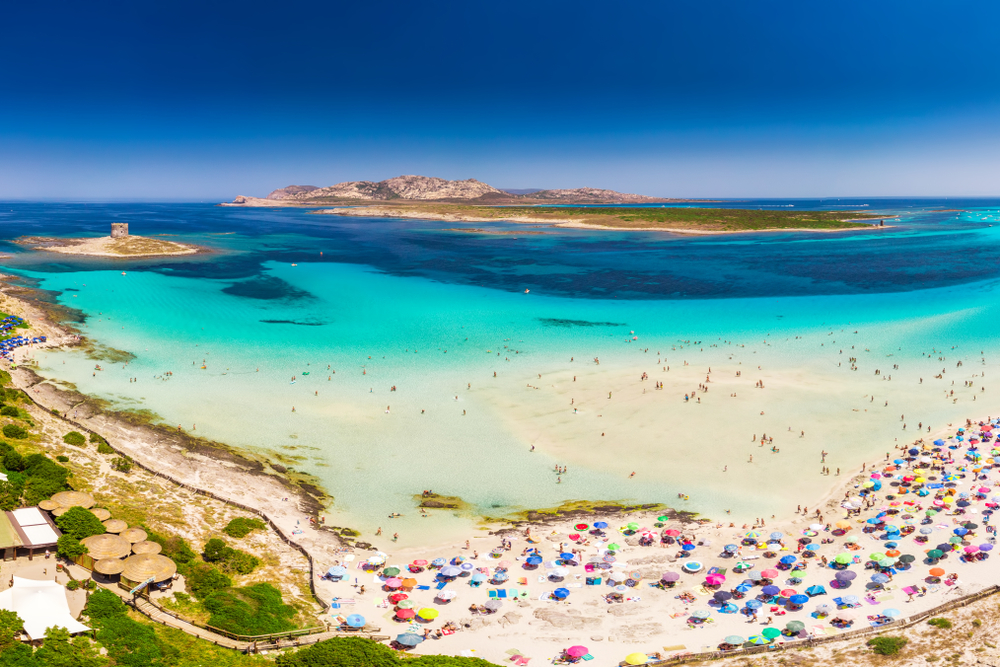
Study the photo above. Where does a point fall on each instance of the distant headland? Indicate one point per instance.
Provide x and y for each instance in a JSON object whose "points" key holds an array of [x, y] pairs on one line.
{"points": [[425, 198], [118, 244]]}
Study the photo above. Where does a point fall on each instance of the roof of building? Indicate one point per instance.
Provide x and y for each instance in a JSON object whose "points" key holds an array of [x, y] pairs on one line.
{"points": [[29, 527]]}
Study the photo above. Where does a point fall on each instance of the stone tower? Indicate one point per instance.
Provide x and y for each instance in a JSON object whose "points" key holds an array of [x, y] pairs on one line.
{"points": [[119, 230]]}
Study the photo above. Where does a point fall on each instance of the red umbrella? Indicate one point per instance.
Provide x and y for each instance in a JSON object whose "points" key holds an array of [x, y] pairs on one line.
{"points": [[420, 562], [398, 597], [672, 532], [769, 574], [787, 593], [577, 651], [405, 613]]}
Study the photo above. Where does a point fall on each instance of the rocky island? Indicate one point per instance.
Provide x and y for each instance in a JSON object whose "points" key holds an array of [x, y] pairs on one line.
{"points": [[118, 244]]}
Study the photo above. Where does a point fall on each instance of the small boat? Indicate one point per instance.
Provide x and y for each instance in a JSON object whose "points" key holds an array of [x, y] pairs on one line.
{"points": [[526, 291]]}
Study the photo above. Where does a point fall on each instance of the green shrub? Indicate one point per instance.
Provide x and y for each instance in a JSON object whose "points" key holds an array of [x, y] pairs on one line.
{"points": [[203, 580], [127, 641], [942, 623], [10, 625], [343, 652], [80, 523], [72, 585], [252, 610], [229, 559], [43, 478], [174, 548], [59, 649], [14, 432], [104, 448], [122, 464], [96, 438], [12, 460], [75, 438], [69, 547], [243, 526], [62, 458], [104, 604], [886, 645], [10, 411]]}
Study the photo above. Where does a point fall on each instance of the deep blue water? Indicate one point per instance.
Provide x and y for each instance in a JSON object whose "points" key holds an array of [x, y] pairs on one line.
{"points": [[925, 249]]}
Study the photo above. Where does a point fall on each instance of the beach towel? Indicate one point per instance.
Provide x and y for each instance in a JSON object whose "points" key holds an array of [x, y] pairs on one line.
{"points": [[347, 601], [423, 588], [441, 585], [588, 657], [335, 605], [718, 570], [493, 595], [523, 581], [447, 631], [502, 593], [589, 567], [910, 590], [523, 661], [700, 590]]}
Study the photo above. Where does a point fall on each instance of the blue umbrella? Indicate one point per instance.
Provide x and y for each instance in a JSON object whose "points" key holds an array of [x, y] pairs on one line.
{"points": [[891, 545], [478, 577], [873, 520], [892, 613], [701, 613], [409, 639], [438, 562], [688, 547], [534, 560], [731, 548], [337, 571], [788, 560], [960, 531], [812, 547], [356, 621], [770, 590], [775, 536], [567, 556], [754, 604], [746, 588], [561, 592], [600, 524], [880, 578], [850, 599], [815, 590], [799, 599], [729, 608]]}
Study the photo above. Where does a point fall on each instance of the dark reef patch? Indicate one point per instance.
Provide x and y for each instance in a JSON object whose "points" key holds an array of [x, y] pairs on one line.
{"points": [[300, 323], [560, 322], [266, 288]]}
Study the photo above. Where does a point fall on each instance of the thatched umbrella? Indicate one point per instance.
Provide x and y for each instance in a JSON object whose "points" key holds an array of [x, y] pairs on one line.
{"points": [[48, 505], [146, 548], [59, 511], [101, 514], [115, 525], [74, 499], [109, 566], [144, 566], [134, 535], [107, 545]]}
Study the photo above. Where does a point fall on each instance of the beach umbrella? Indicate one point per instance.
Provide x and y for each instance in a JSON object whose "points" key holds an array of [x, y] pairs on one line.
{"points": [[637, 658], [788, 560], [405, 613], [577, 651], [561, 593], [420, 562], [769, 574], [393, 583], [776, 536], [672, 532], [815, 590], [477, 578], [956, 540], [445, 595], [797, 574], [493, 605], [850, 599], [559, 572], [688, 547], [986, 547], [409, 583], [581, 526], [907, 559], [613, 547], [753, 575], [409, 639], [438, 562], [824, 609], [880, 578], [534, 560], [788, 592], [356, 621], [632, 526], [397, 597], [756, 639], [600, 524], [798, 599], [891, 613], [467, 567], [670, 576], [404, 604], [795, 627], [771, 633], [715, 579], [376, 560], [770, 590], [734, 640], [876, 557], [723, 596], [701, 613], [934, 554], [390, 572], [752, 535], [731, 548], [926, 531], [971, 549], [567, 556], [813, 547], [337, 571], [754, 604], [450, 571]]}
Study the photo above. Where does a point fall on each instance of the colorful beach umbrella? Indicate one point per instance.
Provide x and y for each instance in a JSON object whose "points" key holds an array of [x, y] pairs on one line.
{"points": [[577, 651], [428, 613], [409, 639], [637, 658], [356, 621]]}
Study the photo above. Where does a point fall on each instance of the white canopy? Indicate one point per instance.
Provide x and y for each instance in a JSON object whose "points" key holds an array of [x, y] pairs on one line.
{"points": [[41, 605]]}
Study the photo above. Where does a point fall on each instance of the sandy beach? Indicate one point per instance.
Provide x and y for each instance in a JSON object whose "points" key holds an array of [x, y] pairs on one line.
{"points": [[106, 246]]}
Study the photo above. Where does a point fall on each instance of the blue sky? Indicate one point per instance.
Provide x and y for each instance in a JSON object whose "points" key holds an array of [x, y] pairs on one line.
{"points": [[207, 100]]}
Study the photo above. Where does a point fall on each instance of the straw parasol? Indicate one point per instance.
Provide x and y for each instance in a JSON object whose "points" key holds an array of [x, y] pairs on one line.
{"points": [[107, 545], [115, 525], [48, 505], [146, 548], [59, 511], [144, 566], [74, 499], [101, 513], [109, 566], [134, 535]]}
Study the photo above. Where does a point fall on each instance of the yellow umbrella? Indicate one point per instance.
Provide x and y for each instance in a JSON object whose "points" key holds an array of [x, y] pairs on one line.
{"points": [[427, 613], [844, 525], [637, 658]]}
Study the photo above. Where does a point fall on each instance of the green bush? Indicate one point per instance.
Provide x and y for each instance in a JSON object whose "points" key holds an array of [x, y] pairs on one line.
{"points": [[10, 625], [10, 411], [72, 585], [886, 645], [96, 438], [75, 438], [104, 448], [122, 464], [14, 432], [44, 478], [229, 559], [343, 652], [69, 547], [59, 650], [80, 523], [203, 580], [243, 526], [127, 641], [104, 604], [252, 610], [12, 460], [62, 459], [174, 548], [939, 622]]}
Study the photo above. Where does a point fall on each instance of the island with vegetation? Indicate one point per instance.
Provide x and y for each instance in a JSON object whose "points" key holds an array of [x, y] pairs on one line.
{"points": [[109, 246]]}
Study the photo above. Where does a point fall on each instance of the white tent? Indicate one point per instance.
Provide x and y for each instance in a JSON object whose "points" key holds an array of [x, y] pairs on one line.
{"points": [[41, 605]]}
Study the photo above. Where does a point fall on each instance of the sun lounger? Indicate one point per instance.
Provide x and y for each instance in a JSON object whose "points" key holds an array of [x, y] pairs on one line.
{"points": [[441, 585], [423, 588]]}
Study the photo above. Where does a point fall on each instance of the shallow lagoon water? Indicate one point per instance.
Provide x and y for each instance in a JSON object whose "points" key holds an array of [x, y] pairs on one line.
{"points": [[432, 309]]}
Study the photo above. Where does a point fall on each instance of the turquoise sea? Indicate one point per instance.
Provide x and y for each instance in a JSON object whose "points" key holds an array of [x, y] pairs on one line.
{"points": [[352, 307]]}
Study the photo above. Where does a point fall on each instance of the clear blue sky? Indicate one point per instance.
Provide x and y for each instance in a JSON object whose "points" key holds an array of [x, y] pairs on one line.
{"points": [[206, 100]]}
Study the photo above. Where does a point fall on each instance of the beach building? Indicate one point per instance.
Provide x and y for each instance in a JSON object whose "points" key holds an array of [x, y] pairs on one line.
{"points": [[119, 230], [41, 605], [27, 530]]}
